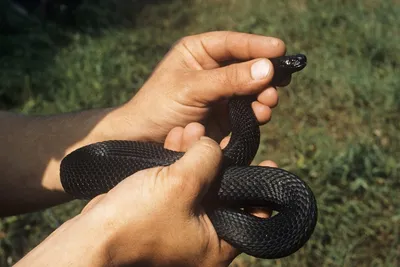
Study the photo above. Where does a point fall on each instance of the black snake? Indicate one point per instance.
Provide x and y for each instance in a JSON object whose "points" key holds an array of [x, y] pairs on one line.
{"points": [[96, 168]]}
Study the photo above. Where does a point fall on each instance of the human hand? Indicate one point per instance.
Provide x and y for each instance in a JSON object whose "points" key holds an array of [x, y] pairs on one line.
{"points": [[192, 84], [155, 216]]}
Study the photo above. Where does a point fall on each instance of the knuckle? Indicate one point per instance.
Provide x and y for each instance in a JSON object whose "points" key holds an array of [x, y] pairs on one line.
{"points": [[232, 76], [178, 184], [209, 145], [184, 95], [181, 45], [183, 41], [154, 172], [210, 148], [175, 181]]}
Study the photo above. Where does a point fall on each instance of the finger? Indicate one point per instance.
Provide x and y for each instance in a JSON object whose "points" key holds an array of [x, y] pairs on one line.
{"points": [[210, 48], [268, 163], [225, 142], [263, 113], [197, 169], [244, 78], [269, 97], [92, 203], [258, 211], [191, 134], [229, 252], [174, 139]]}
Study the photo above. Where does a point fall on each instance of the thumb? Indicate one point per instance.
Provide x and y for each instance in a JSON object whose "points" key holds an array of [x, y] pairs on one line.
{"points": [[197, 169], [243, 78]]}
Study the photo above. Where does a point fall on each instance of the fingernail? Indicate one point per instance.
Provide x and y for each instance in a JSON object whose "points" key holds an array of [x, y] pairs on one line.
{"points": [[260, 69]]}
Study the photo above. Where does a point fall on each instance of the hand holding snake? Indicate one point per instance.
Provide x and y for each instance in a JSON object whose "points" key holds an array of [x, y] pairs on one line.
{"points": [[132, 222], [97, 168]]}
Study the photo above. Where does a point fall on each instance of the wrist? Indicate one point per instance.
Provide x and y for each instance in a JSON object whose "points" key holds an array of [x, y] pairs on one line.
{"points": [[117, 245], [75, 243], [123, 123], [116, 123], [123, 242]]}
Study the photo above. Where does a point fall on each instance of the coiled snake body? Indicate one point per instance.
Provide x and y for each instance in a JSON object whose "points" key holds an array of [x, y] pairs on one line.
{"points": [[96, 168]]}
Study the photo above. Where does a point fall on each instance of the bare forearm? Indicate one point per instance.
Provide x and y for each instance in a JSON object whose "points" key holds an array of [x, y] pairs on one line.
{"points": [[32, 149], [76, 243]]}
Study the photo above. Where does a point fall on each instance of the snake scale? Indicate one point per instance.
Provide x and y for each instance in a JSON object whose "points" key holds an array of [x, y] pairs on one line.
{"points": [[98, 167]]}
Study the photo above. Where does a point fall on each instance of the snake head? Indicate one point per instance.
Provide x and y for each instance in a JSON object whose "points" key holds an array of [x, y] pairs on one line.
{"points": [[294, 62], [287, 65]]}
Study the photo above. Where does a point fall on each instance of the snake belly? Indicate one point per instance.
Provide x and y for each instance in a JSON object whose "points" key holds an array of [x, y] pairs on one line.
{"points": [[96, 168]]}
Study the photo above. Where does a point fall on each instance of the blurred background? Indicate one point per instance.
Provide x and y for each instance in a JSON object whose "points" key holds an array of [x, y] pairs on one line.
{"points": [[337, 125]]}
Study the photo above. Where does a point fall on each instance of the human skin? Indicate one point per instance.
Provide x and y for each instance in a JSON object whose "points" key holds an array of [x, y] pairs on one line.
{"points": [[152, 218], [185, 97]]}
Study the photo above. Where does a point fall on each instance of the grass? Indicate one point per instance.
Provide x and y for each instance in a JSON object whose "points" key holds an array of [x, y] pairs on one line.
{"points": [[336, 126]]}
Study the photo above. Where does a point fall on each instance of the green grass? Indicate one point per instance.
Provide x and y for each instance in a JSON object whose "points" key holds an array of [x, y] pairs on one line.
{"points": [[336, 126]]}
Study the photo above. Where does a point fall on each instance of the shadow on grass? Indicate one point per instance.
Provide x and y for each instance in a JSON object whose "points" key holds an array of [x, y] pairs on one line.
{"points": [[30, 39], [32, 33]]}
